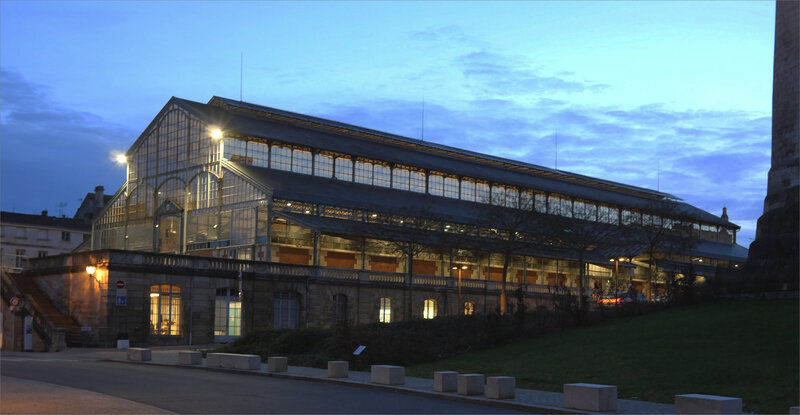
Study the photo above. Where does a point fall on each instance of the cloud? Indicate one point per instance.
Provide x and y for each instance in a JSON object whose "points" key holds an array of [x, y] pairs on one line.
{"points": [[50, 153], [500, 74]]}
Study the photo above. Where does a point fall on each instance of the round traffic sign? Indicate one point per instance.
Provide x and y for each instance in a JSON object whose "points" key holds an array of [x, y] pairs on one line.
{"points": [[120, 284], [14, 301]]}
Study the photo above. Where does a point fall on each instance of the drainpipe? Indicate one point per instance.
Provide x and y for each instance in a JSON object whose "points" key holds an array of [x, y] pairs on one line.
{"points": [[191, 284], [307, 299]]}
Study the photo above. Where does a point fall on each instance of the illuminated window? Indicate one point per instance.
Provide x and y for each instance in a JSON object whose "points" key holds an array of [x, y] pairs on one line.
{"points": [[526, 200], [400, 178], [165, 310], [429, 309], [540, 202], [498, 195], [258, 154], [228, 313], [381, 175], [482, 193], [451, 187], [344, 169], [363, 172], [417, 181], [281, 158], [512, 197], [436, 184], [301, 161], [385, 311], [323, 165], [469, 308], [467, 190]]}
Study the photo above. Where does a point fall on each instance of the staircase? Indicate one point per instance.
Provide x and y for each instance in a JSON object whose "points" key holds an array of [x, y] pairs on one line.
{"points": [[46, 317]]}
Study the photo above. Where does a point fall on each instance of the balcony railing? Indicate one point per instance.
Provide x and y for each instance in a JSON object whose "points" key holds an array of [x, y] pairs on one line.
{"points": [[231, 267]]}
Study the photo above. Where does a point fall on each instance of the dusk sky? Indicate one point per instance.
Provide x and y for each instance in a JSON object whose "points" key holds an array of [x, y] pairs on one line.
{"points": [[625, 86]]}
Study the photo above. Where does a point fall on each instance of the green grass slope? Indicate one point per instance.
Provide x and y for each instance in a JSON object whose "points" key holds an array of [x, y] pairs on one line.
{"points": [[746, 349]]}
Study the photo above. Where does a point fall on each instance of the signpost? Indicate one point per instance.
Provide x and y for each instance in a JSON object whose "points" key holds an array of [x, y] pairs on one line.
{"points": [[122, 294]]}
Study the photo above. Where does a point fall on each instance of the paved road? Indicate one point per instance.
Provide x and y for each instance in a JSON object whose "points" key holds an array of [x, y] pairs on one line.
{"points": [[184, 390]]}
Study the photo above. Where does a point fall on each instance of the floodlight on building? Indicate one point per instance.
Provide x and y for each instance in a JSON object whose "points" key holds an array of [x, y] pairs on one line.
{"points": [[91, 269], [120, 158], [153, 294], [216, 133]]}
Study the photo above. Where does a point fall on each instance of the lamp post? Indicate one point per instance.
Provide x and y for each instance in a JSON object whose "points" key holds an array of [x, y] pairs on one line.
{"points": [[463, 267]]}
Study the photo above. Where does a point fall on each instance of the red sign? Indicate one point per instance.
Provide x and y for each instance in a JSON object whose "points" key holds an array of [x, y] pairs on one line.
{"points": [[14, 301], [120, 284]]}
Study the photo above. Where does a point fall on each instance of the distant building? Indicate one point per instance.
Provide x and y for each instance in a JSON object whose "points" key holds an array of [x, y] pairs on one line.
{"points": [[92, 205], [24, 236]]}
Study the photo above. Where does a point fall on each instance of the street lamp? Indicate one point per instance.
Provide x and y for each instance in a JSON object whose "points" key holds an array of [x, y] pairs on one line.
{"points": [[91, 269], [463, 267]]}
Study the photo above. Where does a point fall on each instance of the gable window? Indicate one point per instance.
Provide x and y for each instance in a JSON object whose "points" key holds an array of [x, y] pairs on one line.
{"points": [[165, 310]]}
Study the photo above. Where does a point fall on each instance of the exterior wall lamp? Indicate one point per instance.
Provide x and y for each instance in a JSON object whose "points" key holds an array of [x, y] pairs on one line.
{"points": [[92, 271]]}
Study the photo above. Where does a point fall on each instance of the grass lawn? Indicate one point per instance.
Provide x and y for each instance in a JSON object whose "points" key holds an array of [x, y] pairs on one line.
{"points": [[746, 349]]}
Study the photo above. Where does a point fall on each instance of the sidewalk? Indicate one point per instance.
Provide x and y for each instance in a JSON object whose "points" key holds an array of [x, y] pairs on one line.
{"points": [[526, 399]]}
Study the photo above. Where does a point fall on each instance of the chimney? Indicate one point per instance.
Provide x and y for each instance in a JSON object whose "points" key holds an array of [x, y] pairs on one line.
{"points": [[98, 196], [44, 213], [724, 213]]}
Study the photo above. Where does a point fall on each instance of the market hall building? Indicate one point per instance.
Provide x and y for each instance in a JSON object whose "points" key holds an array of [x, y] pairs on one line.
{"points": [[237, 217]]}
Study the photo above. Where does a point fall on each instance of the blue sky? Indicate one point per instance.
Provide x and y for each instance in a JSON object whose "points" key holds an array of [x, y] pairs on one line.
{"points": [[625, 86]]}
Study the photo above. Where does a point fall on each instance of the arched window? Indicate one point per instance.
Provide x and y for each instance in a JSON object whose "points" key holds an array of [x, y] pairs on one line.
{"points": [[339, 309], [385, 311], [469, 308], [165, 310], [429, 310], [227, 314]]}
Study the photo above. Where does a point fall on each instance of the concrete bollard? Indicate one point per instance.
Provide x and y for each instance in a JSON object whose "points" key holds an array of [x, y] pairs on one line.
{"points": [[247, 361], [227, 360], [139, 354], [590, 397], [277, 364], [501, 387], [214, 359], [470, 384], [123, 344], [189, 357], [445, 381], [338, 368], [388, 375], [695, 403]]}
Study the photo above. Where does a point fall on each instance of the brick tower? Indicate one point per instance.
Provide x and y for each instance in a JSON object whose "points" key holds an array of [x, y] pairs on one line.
{"points": [[774, 255]]}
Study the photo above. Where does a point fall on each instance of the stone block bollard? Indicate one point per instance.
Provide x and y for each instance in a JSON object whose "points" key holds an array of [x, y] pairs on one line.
{"points": [[388, 375], [695, 403], [445, 381], [139, 354], [470, 384], [590, 397], [247, 361], [501, 387], [277, 364], [338, 368], [214, 359], [189, 357]]}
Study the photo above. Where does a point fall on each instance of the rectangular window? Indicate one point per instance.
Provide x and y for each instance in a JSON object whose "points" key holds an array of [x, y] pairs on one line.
{"points": [[579, 210], [526, 200], [400, 178], [323, 165], [280, 158], [512, 197], [417, 181], [344, 169], [287, 310], [65, 236], [258, 154], [435, 184], [540, 202], [451, 187], [482, 192], [467, 190], [20, 258], [165, 310], [42, 254], [301, 161], [381, 175], [363, 172], [236, 151], [590, 211], [566, 208], [385, 311], [553, 205]]}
